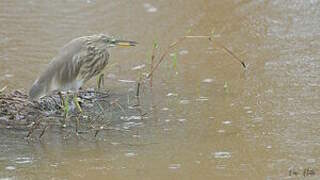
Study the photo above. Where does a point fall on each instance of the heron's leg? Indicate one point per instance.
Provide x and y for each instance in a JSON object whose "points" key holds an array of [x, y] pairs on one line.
{"points": [[65, 106], [100, 80], [76, 102]]}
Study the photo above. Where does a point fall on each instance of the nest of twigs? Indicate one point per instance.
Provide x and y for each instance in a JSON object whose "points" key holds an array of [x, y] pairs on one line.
{"points": [[19, 112]]}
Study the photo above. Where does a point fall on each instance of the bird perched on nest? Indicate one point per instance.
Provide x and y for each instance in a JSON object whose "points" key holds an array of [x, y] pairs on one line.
{"points": [[77, 62]]}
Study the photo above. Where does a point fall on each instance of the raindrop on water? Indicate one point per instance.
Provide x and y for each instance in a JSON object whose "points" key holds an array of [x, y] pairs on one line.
{"points": [[222, 155], [174, 166], [10, 168]]}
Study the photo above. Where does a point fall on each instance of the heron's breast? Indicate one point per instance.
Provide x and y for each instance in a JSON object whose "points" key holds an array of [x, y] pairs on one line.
{"points": [[93, 66]]}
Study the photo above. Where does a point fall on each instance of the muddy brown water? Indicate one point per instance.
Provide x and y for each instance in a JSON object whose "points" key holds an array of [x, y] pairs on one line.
{"points": [[208, 118]]}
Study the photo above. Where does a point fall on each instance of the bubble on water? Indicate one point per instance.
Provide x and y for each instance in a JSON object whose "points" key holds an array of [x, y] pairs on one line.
{"points": [[249, 112], [138, 67], [208, 80], [174, 166], [292, 113], [269, 147], [128, 125], [313, 84], [8, 75], [165, 109], [126, 118], [111, 76], [181, 120], [130, 154], [221, 166], [136, 136], [258, 119], [172, 94], [221, 131], [126, 81], [183, 52], [311, 160], [10, 168], [114, 143], [247, 107], [222, 155], [54, 165], [202, 98], [185, 101], [167, 120], [150, 8], [226, 122], [134, 118], [23, 160]]}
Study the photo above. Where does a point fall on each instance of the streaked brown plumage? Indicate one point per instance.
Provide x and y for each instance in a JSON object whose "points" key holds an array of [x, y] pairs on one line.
{"points": [[77, 62]]}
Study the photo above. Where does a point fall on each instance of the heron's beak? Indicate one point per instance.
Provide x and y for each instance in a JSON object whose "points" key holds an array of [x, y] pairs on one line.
{"points": [[122, 43]]}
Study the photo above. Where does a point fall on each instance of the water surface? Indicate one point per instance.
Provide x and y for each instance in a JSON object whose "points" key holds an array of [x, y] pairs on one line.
{"points": [[207, 117]]}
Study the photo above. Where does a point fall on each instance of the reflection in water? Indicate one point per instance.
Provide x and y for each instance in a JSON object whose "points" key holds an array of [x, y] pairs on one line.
{"points": [[206, 117]]}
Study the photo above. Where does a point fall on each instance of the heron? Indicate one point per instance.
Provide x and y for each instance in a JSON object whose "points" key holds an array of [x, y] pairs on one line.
{"points": [[76, 63]]}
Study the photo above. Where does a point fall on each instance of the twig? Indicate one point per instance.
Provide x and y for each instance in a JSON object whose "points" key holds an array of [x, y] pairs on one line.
{"points": [[138, 89], [121, 108], [233, 55], [152, 60], [77, 124], [179, 40], [172, 45], [43, 131], [2, 89], [35, 125]]}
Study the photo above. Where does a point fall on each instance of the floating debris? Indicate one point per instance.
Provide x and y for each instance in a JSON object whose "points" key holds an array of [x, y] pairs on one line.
{"points": [[17, 111]]}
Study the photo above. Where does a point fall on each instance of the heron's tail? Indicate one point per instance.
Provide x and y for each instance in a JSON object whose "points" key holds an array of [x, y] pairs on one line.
{"points": [[36, 91]]}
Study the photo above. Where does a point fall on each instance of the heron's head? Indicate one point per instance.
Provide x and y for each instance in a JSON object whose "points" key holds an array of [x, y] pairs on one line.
{"points": [[112, 42]]}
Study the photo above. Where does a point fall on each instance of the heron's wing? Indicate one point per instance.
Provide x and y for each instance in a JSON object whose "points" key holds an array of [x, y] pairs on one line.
{"points": [[64, 68]]}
